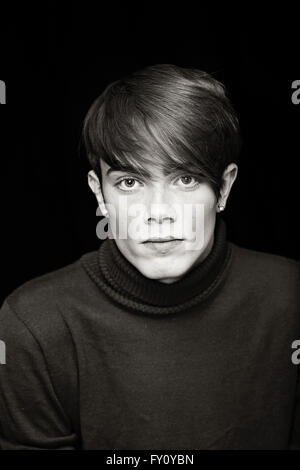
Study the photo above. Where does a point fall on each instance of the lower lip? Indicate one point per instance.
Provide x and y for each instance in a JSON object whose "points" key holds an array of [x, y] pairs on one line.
{"points": [[163, 247]]}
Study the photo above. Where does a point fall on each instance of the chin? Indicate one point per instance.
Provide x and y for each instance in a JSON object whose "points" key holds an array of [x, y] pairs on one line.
{"points": [[164, 275]]}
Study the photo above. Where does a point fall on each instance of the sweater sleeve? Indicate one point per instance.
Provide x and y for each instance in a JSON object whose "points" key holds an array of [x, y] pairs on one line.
{"points": [[294, 442], [295, 433], [31, 414]]}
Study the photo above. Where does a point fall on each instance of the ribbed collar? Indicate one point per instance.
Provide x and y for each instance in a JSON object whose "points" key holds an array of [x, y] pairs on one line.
{"points": [[126, 286]]}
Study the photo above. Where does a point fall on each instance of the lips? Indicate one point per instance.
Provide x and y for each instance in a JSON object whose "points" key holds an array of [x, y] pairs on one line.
{"points": [[161, 240], [163, 246]]}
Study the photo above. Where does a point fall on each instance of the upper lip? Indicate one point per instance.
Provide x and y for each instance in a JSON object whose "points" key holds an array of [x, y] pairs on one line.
{"points": [[159, 239]]}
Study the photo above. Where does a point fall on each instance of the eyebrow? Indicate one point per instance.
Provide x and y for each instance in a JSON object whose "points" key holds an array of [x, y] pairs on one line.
{"points": [[142, 172], [145, 173]]}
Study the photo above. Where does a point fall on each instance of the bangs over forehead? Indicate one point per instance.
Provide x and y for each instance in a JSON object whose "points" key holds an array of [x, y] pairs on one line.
{"points": [[164, 117]]}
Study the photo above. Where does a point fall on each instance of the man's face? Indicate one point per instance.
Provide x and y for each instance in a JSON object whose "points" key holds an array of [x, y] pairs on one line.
{"points": [[179, 205]]}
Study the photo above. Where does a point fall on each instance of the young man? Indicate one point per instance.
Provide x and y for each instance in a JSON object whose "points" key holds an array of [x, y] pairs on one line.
{"points": [[151, 342]]}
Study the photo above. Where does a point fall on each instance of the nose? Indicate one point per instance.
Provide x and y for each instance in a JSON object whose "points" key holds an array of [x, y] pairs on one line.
{"points": [[158, 209]]}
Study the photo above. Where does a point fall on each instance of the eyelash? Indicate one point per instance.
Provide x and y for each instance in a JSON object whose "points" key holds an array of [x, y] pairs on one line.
{"points": [[128, 190]]}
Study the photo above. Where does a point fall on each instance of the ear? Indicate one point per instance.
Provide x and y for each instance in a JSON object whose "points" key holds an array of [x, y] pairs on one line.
{"points": [[95, 186], [228, 178]]}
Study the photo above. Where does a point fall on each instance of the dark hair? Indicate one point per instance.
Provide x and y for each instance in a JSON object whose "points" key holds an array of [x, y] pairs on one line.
{"points": [[167, 116]]}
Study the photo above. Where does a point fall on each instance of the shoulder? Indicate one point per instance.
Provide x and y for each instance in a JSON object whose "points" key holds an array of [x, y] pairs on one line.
{"points": [[266, 269], [36, 303], [263, 259]]}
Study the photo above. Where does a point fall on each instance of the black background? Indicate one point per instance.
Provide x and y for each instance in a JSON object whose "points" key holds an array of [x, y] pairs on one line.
{"points": [[57, 58]]}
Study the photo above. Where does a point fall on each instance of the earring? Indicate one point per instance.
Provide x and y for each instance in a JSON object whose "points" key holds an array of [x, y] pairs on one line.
{"points": [[221, 207]]}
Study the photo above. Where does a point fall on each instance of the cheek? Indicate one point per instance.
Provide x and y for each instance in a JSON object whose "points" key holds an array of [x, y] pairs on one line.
{"points": [[118, 212], [127, 226], [202, 213]]}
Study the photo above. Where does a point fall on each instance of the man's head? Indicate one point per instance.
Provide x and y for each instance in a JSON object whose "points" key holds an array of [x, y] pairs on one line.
{"points": [[162, 143]]}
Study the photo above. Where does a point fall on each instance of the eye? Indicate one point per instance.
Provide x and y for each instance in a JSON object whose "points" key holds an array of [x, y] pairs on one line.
{"points": [[129, 184], [188, 179]]}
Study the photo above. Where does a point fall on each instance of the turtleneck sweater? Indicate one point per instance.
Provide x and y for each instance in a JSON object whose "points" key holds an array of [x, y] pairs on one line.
{"points": [[97, 356], [124, 284]]}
